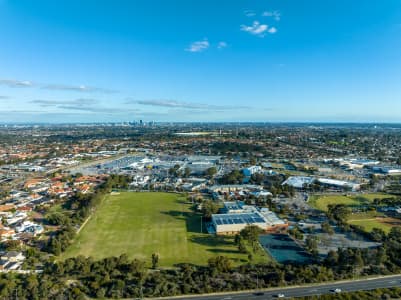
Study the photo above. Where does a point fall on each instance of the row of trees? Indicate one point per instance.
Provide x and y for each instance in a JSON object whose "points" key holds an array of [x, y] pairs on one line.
{"points": [[80, 207], [118, 277], [233, 177]]}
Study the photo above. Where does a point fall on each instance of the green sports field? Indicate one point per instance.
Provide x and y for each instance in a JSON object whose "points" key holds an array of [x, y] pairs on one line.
{"points": [[321, 202], [140, 224], [370, 220], [367, 220]]}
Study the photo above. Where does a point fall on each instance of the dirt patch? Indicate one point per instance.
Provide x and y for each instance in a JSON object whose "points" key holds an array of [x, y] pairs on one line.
{"points": [[389, 221]]}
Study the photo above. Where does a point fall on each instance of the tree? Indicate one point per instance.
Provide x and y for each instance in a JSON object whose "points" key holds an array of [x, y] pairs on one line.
{"points": [[234, 177], [211, 171], [296, 233], [242, 247], [174, 170], [237, 239], [258, 178], [358, 261], [209, 208], [331, 259], [311, 244], [377, 235], [327, 228], [57, 218], [220, 263], [155, 260], [251, 233], [187, 172], [55, 246], [12, 245], [381, 256], [338, 212]]}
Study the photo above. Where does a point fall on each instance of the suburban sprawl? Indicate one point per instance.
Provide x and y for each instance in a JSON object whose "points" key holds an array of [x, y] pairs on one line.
{"points": [[142, 210]]}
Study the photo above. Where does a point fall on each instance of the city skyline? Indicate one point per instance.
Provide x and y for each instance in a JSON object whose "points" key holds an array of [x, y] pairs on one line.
{"points": [[261, 61]]}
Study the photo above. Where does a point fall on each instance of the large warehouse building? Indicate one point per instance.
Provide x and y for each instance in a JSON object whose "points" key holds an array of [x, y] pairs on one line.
{"points": [[238, 216]]}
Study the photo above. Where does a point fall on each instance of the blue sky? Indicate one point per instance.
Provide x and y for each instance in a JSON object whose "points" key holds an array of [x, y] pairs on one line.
{"points": [[267, 60]]}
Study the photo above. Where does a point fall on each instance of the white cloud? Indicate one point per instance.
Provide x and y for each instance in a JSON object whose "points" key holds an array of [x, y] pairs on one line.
{"points": [[221, 45], [16, 83], [97, 109], [184, 105], [198, 46], [76, 88], [13, 83], [82, 105], [49, 103], [164, 103], [258, 29], [275, 14], [249, 13]]}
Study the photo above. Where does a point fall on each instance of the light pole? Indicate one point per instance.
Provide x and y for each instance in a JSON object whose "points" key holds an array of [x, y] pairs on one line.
{"points": [[201, 224], [257, 281]]}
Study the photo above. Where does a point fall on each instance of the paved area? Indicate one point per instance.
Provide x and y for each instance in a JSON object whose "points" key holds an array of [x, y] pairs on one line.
{"points": [[307, 290]]}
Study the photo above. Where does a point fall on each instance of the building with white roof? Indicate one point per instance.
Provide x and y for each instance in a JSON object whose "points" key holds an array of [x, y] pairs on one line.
{"points": [[237, 216], [339, 183], [252, 170], [387, 170], [298, 181]]}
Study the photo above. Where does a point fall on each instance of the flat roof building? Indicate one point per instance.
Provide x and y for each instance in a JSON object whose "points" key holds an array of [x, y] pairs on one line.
{"points": [[298, 181], [237, 207], [387, 170], [237, 216], [339, 183], [252, 170], [226, 188], [234, 223]]}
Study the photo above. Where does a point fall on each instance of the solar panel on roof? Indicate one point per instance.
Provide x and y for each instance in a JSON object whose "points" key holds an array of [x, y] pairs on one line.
{"points": [[218, 222]]}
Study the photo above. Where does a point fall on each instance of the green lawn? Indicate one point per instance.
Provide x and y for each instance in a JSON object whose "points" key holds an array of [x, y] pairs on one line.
{"points": [[321, 202], [370, 220], [369, 224], [140, 224], [367, 220]]}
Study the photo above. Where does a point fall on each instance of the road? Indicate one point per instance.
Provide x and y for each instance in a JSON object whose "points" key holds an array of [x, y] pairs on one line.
{"points": [[87, 164], [311, 290]]}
